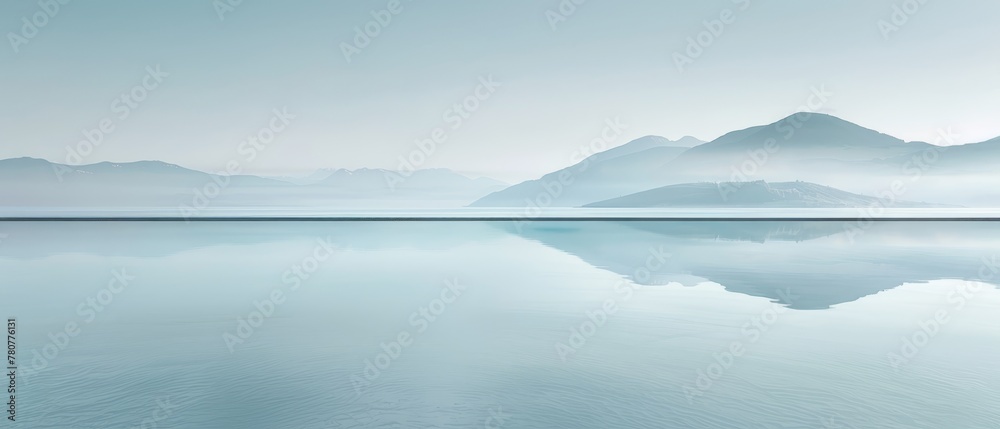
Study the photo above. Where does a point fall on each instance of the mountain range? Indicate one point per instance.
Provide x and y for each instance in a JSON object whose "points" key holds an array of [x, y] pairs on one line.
{"points": [[747, 194], [804, 160], [807, 147], [31, 182], [607, 174]]}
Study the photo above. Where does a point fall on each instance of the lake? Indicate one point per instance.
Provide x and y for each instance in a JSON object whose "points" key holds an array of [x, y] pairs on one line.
{"points": [[477, 324]]}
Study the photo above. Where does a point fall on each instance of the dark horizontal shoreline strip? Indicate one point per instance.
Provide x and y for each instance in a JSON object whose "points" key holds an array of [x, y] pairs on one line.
{"points": [[495, 219]]}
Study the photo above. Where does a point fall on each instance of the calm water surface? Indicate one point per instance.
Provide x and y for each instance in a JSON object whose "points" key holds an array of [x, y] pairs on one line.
{"points": [[504, 325]]}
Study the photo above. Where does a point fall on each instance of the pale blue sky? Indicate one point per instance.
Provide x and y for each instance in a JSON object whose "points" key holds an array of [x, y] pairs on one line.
{"points": [[607, 59]]}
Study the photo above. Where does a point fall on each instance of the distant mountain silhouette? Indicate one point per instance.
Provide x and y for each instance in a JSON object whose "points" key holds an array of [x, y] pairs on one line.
{"points": [[808, 147], [687, 141], [603, 175], [809, 135], [844, 165], [748, 194], [974, 158], [152, 174], [30, 182]]}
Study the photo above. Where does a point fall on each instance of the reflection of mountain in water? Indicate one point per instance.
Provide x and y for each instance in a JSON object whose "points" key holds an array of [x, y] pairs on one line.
{"points": [[757, 232], [804, 265], [158, 239]]}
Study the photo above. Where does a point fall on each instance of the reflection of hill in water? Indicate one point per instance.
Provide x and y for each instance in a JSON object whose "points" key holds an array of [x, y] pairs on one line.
{"points": [[158, 239], [805, 265], [757, 232]]}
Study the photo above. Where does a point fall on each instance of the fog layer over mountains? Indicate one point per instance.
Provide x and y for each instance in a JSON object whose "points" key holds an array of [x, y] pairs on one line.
{"points": [[825, 151], [806, 160]]}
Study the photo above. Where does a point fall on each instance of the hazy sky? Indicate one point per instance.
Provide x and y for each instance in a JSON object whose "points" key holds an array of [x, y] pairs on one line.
{"points": [[559, 84]]}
